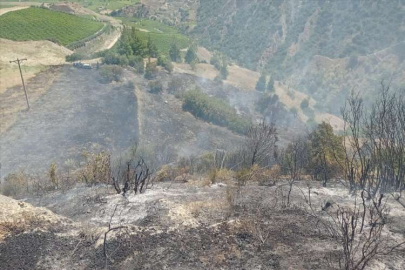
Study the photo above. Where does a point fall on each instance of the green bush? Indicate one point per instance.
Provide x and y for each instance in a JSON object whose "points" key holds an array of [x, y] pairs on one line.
{"points": [[216, 61], [305, 104], [165, 63], [214, 110], [115, 59], [137, 63], [75, 57], [261, 83], [266, 102], [111, 73]]}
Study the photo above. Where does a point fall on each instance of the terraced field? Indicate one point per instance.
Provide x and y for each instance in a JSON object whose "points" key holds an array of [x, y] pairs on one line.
{"points": [[95, 5], [41, 24], [161, 34]]}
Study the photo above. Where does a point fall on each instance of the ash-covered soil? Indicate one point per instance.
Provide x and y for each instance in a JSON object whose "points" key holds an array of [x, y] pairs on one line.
{"points": [[181, 226], [77, 113], [165, 126]]}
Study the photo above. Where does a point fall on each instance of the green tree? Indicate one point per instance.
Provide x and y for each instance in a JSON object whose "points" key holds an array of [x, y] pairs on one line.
{"points": [[305, 104], [191, 55], [214, 110], [261, 83], [270, 85], [168, 66], [151, 48], [150, 71], [124, 48], [174, 52], [137, 63], [137, 45], [224, 71], [216, 60], [165, 63], [110, 73], [327, 153]]}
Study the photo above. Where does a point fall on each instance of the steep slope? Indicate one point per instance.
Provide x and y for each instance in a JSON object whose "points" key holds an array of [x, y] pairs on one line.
{"points": [[340, 45], [320, 48], [170, 11], [285, 33]]}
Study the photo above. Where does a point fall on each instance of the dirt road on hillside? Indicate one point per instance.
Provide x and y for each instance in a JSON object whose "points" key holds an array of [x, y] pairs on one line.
{"points": [[103, 42], [6, 10], [77, 113]]}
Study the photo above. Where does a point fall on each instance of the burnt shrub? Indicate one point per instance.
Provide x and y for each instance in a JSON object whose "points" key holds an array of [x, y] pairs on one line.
{"points": [[155, 87]]}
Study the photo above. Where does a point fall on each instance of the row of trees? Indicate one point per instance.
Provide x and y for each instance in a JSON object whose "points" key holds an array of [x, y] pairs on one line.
{"points": [[370, 155], [214, 110], [220, 62], [318, 154], [261, 85], [375, 142], [132, 50]]}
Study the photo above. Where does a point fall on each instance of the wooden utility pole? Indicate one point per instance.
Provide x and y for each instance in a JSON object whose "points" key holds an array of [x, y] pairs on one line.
{"points": [[18, 61]]}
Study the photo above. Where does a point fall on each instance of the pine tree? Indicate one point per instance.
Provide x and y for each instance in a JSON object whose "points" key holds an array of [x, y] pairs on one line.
{"points": [[174, 52], [305, 104], [270, 85], [261, 83], [151, 48], [137, 45], [191, 55], [224, 71]]}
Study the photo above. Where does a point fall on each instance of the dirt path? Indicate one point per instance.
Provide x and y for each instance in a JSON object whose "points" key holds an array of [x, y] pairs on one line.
{"points": [[77, 113], [107, 40], [112, 41], [6, 10], [138, 94]]}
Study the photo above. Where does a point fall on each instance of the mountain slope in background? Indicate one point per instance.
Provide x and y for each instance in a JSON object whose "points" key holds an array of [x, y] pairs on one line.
{"points": [[322, 48]]}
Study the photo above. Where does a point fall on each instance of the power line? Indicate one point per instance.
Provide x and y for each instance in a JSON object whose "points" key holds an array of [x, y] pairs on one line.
{"points": [[18, 61]]}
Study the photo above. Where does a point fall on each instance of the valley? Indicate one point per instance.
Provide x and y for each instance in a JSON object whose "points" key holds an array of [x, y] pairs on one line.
{"points": [[211, 134]]}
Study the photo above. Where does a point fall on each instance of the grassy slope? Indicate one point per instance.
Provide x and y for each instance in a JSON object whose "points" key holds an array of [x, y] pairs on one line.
{"points": [[41, 24], [161, 34]]}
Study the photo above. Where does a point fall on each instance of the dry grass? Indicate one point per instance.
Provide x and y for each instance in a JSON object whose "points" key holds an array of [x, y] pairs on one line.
{"points": [[17, 217], [221, 176], [39, 54], [242, 78], [246, 79]]}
